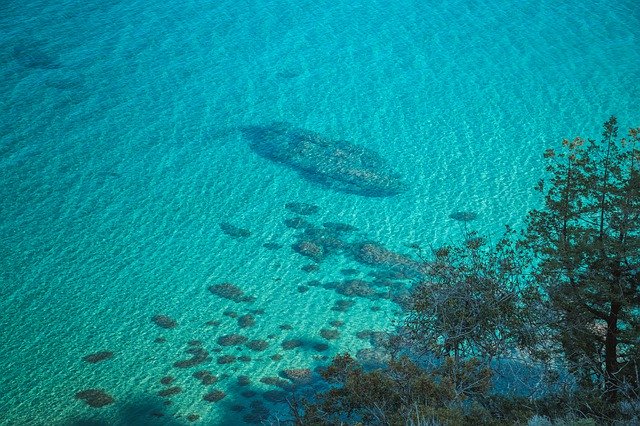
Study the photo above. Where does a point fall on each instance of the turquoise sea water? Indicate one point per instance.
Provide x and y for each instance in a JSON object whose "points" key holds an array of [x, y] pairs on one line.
{"points": [[121, 153]]}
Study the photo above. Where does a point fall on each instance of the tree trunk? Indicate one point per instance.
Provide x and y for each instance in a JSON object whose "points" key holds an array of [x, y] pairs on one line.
{"points": [[611, 353]]}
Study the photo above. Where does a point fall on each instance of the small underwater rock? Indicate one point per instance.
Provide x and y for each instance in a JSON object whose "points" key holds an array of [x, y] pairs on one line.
{"points": [[299, 376], [98, 357], [374, 254], [231, 292], [231, 340], [329, 333], [226, 359], [95, 398], [244, 380], [214, 396], [309, 249], [303, 209], [169, 391], [288, 73], [291, 344], [164, 321], [167, 380], [296, 223], [320, 347], [205, 377], [309, 268], [234, 231], [358, 288], [248, 393], [342, 305], [257, 345], [193, 417], [198, 356], [246, 321]]}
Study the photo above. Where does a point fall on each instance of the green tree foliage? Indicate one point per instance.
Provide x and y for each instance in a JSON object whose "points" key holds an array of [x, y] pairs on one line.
{"points": [[586, 247], [402, 393], [475, 300]]}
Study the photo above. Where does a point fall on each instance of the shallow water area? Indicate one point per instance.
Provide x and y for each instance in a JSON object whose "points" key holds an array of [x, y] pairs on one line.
{"points": [[128, 189]]}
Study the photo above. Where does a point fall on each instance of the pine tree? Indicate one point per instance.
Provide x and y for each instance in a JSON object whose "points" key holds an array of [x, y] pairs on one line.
{"points": [[586, 246]]}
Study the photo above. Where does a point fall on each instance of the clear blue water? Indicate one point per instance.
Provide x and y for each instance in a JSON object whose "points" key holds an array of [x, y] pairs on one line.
{"points": [[120, 155]]}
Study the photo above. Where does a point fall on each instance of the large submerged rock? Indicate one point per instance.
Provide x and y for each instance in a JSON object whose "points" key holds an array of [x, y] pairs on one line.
{"points": [[338, 165]]}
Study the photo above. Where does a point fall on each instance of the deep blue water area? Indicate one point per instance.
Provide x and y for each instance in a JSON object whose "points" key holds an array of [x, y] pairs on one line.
{"points": [[234, 187]]}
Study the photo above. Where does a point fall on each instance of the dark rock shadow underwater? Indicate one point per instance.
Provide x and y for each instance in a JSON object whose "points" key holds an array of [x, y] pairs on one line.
{"points": [[34, 55], [338, 165]]}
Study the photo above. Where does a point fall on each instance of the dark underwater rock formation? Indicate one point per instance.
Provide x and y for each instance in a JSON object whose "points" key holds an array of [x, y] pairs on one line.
{"points": [[205, 377], [34, 55], [231, 292], [95, 398], [309, 249], [164, 321], [98, 357], [214, 396], [337, 165], [374, 254], [231, 340], [234, 231], [198, 356], [165, 393]]}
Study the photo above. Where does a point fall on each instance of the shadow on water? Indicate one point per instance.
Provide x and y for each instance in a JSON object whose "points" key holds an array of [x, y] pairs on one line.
{"points": [[140, 412]]}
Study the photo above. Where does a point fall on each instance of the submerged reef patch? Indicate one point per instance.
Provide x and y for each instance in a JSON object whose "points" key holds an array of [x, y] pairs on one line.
{"points": [[231, 340], [234, 231], [231, 292], [214, 396], [337, 165], [198, 356], [164, 321], [95, 398], [98, 357]]}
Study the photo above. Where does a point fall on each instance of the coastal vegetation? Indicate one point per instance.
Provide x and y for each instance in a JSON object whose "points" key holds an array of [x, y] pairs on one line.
{"points": [[539, 327]]}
